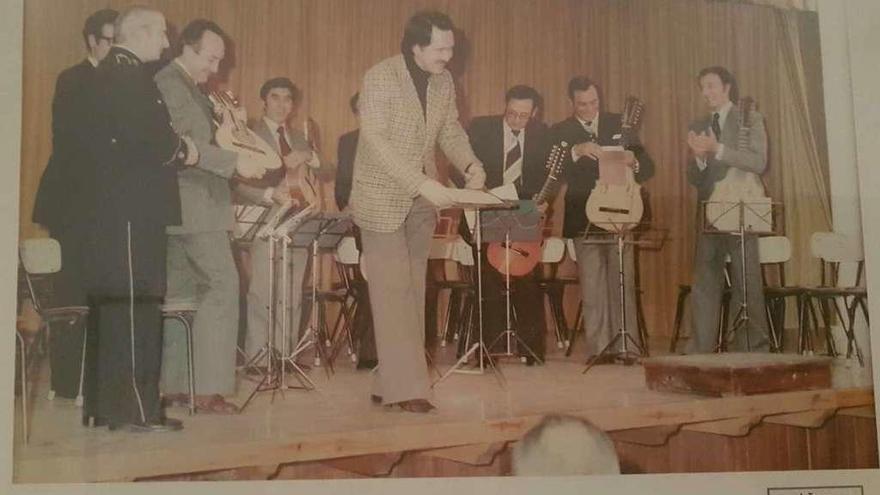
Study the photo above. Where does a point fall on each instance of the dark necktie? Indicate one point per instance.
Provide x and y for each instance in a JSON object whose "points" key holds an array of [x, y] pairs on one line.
{"points": [[716, 125], [515, 153], [588, 126], [283, 145]]}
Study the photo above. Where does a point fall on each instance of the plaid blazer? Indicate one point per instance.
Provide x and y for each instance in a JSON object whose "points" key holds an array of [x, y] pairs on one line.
{"points": [[396, 149]]}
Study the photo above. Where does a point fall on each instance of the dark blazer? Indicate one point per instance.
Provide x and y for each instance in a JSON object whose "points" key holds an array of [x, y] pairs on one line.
{"points": [[345, 153], [486, 135], [581, 176], [56, 205], [134, 155]]}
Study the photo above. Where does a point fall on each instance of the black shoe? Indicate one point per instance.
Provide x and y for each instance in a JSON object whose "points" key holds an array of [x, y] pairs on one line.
{"points": [[531, 361], [94, 421], [162, 425], [367, 364], [376, 399]]}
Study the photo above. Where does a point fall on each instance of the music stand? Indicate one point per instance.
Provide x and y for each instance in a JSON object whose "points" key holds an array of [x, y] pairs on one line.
{"points": [[520, 224], [618, 231], [739, 219], [249, 219], [285, 218], [322, 230], [478, 347]]}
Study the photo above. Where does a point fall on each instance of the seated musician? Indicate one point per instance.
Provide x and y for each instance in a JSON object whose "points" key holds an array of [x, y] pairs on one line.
{"points": [[281, 100], [512, 148], [587, 130]]}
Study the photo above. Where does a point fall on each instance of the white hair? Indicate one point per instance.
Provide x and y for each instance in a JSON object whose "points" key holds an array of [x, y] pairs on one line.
{"points": [[132, 20], [564, 446]]}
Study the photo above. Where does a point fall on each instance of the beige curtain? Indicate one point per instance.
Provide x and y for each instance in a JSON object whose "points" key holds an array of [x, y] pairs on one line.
{"points": [[652, 49]]}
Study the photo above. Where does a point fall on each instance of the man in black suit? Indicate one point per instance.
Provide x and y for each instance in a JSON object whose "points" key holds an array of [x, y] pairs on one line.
{"points": [[587, 130], [512, 148], [132, 155], [345, 152], [57, 206], [363, 320]]}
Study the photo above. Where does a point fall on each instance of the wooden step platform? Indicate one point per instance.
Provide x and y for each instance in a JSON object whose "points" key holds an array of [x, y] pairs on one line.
{"points": [[731, 374]]}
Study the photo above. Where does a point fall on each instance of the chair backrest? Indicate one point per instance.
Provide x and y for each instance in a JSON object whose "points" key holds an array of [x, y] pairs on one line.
{"points": [[553, 250], [443, 248], [774, 249], [40, 256], [463, 253], [347, 252], [572, 253], [832, 249]]}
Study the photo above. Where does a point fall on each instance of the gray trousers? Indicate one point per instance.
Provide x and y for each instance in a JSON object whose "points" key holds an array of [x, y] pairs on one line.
{"points": [[258, 296], [396, 266], [708, 286], [600, 294], [201, 268]]}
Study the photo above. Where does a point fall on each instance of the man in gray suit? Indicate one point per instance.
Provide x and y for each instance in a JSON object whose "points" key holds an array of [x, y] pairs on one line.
{"points": [[407, 108], [281, 98], [200, 264], [713, 142]]}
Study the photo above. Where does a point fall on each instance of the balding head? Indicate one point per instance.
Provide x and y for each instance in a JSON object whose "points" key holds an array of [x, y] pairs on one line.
{"points": [[143, 31], [565, 446]]}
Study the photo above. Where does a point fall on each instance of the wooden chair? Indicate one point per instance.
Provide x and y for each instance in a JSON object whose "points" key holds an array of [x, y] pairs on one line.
{"points": [[832, 249]]}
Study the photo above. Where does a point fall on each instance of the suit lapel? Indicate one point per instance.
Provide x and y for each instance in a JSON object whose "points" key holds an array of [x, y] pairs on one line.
{"points": [[203, 101], [268, 135], [434, 99]]}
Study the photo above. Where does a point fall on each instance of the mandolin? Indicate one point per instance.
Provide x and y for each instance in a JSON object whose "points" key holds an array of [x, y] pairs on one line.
{"points": [[616, 201], [304, 184], [525, 255], [233, 134], [740, 187]]}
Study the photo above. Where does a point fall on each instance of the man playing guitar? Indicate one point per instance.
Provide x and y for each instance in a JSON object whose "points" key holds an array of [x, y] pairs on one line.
{"points": [[588, 130], [512, 148], [281, 100]]}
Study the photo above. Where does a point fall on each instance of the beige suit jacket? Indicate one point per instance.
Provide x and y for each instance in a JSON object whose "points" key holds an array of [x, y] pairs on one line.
{"points": [[395, 153]]}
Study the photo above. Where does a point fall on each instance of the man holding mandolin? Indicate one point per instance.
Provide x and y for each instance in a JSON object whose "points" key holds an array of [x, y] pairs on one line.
{"points": [[588, 130], [200, 263]]}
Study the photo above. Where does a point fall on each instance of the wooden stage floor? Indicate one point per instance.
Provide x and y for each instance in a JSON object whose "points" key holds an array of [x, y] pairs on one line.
{"points": [[339, 421]]}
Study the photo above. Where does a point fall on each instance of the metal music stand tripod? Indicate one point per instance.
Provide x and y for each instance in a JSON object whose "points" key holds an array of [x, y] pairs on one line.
{"points": [[521, 224], [274, 378], [739, 219], [619, 231], [479, 347], [321, 231]]}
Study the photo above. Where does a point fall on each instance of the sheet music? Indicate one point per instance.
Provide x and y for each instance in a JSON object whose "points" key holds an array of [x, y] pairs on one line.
{"points": [[505, 192], [474, 197]]}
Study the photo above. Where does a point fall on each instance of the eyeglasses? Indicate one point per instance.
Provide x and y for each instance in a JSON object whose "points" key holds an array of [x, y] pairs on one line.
{"points": [[108, 39], [522, 115]]}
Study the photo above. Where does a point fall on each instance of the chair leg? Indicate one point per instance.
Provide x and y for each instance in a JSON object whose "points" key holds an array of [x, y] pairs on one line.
{"points": [[190, 365], [24, 392], [82, 369], [51, 394], [679, 315]]}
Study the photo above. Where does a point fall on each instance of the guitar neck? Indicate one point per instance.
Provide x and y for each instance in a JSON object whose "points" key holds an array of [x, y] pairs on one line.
{"points": [[551, 185]]}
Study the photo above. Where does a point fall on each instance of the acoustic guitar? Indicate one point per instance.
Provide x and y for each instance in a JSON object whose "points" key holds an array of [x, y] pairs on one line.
{"points": [[233, 134], [525, 255], [615, 203], [304, 184], [740, 191]]}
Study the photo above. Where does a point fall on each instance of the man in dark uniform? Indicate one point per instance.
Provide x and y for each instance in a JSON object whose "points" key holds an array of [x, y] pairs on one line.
{"points": [[134, 153], [512, 148], [57, 205]]}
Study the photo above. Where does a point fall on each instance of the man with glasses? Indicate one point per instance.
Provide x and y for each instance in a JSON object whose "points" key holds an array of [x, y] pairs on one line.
{"points": [[57, 206], [512, 148]]}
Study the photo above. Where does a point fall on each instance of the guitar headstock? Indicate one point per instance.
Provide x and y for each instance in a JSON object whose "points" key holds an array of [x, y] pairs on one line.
{"points": [[632, 113], [556, 158], [746, 106]]}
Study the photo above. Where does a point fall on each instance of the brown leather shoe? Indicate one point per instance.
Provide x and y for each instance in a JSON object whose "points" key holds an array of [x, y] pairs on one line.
{"points": [[415, 406], [215, 404]]}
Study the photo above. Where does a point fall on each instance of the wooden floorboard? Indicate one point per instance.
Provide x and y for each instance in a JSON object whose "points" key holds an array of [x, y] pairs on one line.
{"points": [[340, 421]]}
